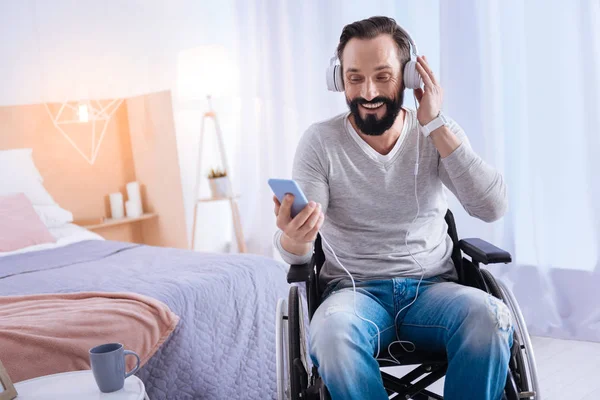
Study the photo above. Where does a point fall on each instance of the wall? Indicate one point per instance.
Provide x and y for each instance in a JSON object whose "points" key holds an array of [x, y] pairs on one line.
{"points": [[139, 144], [87, 49], [75, 184], [157, 167], [66, 49]]}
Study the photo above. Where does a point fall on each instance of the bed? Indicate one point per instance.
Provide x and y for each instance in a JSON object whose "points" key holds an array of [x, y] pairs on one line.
{"points": [[224, 344]]}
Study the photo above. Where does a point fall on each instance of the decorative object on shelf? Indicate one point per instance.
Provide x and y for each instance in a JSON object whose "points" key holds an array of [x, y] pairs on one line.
{"points": [[7, 389], [133, 206], [220, 186], [116, 205], [217, 188], [96, 113]]}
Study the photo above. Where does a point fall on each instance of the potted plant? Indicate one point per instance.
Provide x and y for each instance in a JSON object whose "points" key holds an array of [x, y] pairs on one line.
{"points": [[219, 183]]}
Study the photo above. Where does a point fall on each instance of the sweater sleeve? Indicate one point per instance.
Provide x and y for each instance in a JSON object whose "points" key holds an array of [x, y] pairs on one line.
{"points": [[310, 172], [479, 187]]}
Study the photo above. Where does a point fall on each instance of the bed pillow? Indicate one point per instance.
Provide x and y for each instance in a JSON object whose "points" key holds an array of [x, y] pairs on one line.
{"points": [[20, 226], [18, 174], [20, 160], [53, 216]]}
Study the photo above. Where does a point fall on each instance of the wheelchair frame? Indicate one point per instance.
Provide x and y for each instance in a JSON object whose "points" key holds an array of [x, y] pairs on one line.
{"points": [[294, 381]]}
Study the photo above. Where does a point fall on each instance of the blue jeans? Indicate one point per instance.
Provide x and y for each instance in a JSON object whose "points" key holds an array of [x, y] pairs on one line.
{"points": [[473, 328]]}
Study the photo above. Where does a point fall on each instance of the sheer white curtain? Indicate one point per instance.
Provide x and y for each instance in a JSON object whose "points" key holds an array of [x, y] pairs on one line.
{"points": [[523, 78]]}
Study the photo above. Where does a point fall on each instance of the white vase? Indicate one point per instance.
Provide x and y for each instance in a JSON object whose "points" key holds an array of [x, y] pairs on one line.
{"points": [[220, 187]]}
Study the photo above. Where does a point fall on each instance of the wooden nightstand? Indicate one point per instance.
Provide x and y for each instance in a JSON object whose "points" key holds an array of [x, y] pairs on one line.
{"points": [[121, 229]]}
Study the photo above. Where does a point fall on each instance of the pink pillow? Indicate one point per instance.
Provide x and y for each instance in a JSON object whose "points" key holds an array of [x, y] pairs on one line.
{"points": [[20, 226]]}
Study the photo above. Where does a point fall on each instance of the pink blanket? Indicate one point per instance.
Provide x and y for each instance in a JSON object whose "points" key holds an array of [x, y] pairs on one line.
{"points": [[51, 333]]}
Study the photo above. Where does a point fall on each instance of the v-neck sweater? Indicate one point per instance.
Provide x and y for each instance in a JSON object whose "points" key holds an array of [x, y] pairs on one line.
{"points": [[369, 199]]}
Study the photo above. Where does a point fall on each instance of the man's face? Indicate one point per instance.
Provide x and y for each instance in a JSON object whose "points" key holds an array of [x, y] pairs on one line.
{"points": [[373, 83]]}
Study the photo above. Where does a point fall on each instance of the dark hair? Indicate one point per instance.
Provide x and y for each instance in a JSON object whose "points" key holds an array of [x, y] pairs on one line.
{"points": [[372, 27]]}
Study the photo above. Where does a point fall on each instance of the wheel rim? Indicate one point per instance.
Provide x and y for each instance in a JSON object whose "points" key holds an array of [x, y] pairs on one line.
{"points": [[280, 349], [294, 342], [532, 377]]}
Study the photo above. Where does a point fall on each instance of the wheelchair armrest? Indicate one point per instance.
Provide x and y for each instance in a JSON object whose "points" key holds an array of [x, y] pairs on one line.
{"points": [[300, 272], [481, 251]]}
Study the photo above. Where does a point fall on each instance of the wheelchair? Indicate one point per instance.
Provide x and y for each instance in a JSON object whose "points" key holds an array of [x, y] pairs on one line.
{"points": [[295, 381]]}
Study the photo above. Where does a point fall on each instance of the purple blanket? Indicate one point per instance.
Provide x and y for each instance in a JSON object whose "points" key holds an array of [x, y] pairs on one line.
{"points": [[224, 346]]}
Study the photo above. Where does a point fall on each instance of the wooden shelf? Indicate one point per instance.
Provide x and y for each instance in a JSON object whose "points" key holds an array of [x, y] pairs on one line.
{"points": [[207, 199], [106, 222]]}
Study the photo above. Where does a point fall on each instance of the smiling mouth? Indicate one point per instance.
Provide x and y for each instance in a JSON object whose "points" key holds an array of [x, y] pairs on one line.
{"points": [[372, 106]]}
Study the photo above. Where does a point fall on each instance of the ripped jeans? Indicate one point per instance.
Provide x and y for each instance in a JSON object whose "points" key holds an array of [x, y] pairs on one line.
{"points": [[473, 328]]}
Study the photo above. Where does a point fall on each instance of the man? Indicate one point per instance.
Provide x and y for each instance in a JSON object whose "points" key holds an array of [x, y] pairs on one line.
{"points": [[358, 169]]}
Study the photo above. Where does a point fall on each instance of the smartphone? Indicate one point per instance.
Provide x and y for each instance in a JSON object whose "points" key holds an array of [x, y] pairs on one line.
{"points": [[281, 187]]}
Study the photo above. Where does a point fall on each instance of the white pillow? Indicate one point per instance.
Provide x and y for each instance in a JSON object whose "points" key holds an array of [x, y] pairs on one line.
{"points": [[20, 159], [53, 216], [18, 174]]}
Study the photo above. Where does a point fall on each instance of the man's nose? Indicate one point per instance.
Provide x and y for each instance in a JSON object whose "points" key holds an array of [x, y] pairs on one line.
{"points": [[369, 91]]}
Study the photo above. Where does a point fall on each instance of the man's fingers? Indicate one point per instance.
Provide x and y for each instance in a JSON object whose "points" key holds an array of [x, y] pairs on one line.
{"points": [[423, 62], [311, 221], [286, 208], [277, 205], [425, 76], [303, 215], [313, 232]]}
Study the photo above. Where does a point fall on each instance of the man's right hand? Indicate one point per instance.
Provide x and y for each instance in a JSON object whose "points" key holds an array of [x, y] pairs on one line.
{"points": [[298, 232]]}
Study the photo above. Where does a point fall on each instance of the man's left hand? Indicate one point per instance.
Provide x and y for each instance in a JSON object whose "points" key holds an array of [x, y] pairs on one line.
{"points": [[430, 97]]}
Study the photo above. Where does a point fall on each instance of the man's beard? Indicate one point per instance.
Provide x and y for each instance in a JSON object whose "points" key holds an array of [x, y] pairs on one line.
{"points": [[371, 125]]}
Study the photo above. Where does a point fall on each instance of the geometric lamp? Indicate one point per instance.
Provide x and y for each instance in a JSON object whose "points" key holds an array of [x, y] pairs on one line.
{"points": [[95, 113]]}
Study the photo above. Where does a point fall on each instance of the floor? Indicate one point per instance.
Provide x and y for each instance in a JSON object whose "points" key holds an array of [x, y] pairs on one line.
{"points": [[567, 369]]}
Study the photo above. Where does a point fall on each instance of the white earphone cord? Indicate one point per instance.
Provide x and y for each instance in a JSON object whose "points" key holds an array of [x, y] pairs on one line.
{"points": [[416, 172]]}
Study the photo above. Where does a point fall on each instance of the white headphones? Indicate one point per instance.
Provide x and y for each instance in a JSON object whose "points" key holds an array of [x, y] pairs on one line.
{"points": [[412, 79]]}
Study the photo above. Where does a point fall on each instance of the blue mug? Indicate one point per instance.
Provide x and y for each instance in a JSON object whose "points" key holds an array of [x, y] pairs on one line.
{"points": [[108, 366]]}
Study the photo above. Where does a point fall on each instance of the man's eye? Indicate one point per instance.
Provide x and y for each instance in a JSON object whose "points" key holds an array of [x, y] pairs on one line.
{"points": [[383, 78], [355, 79]]}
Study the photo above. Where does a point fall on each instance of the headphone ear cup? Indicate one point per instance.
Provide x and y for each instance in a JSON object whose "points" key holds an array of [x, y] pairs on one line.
{"points": [[412, 79], [330, 78], [335, 83], [339, 80]]}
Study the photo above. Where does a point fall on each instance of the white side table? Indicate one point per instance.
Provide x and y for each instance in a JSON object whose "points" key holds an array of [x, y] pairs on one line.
{"points": [[78, 385]]}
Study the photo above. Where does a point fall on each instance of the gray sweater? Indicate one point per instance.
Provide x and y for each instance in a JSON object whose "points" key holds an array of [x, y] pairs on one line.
{"points": [[369, 199]]}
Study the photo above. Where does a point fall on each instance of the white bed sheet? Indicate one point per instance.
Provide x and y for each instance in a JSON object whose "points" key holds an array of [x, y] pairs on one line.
{"points": [[64, 235]]}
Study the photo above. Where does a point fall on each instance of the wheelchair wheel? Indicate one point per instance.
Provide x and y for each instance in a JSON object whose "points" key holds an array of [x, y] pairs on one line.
{"points": [[298, 376], [281, 340], [523, 380]]}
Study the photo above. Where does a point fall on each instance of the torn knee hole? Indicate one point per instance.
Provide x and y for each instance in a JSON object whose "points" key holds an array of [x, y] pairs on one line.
{"points": [[500, 313], [332, 309]]}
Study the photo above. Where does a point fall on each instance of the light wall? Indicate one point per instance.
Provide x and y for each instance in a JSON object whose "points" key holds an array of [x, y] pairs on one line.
{"points": [[62, 49], [67, 50], [146, 152], [75, 184], [157, 166]]}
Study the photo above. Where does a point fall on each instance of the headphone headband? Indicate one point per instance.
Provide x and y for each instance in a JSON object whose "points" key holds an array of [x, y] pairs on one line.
{"points": [[412, 79], [415, 50]]}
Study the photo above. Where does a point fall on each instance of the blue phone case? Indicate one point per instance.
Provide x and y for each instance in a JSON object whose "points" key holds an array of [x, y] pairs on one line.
{"points": [[281, 187]]}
